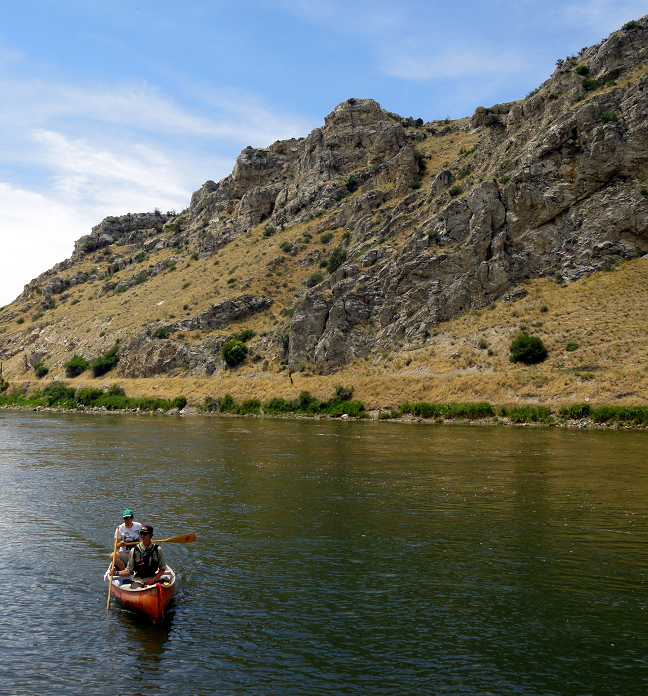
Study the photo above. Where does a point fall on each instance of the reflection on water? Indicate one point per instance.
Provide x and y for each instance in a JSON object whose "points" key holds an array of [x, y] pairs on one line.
{"points": [[332, 558]]}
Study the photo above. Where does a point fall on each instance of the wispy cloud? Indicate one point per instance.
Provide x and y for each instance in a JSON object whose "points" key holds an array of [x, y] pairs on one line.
{"points": [[72, 154]]}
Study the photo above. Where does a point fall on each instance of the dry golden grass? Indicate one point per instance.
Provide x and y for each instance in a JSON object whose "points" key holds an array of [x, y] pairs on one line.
{"points": [[605, 314]]}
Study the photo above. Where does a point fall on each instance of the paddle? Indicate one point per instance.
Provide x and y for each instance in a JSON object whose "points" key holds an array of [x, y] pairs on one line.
{"points": [[112, 567], [181, 539]]}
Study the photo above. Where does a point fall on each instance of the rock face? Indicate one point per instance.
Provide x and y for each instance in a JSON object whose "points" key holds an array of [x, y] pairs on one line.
{"points": [[555, 185], [570, 200]]}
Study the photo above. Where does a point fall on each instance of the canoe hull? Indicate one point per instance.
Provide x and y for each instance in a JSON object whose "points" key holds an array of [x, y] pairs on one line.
{"points": [[150, 601]]}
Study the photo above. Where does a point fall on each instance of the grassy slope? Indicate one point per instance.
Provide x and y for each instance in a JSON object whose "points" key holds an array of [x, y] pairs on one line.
{"points": [[604, 314]]}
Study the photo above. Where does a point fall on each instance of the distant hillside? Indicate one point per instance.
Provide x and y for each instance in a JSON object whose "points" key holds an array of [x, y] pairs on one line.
{"points": [[370, 241]]}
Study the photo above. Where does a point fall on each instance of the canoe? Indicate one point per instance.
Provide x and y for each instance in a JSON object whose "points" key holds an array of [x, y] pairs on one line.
{"points": [[150, 601]]}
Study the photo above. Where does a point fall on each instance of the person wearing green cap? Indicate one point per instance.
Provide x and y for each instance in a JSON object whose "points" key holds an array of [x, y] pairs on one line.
{"points": [[126, 533]]}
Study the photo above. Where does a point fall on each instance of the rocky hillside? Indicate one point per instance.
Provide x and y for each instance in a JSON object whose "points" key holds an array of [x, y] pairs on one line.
{"points": [[362, 238]]}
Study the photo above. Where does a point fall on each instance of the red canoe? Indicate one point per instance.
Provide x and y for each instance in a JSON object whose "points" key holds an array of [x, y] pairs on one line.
{"points": [[150, 601]]}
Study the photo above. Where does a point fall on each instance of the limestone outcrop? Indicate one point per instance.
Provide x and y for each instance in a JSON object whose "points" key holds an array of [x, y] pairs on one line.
{"points": [[552, 185]]}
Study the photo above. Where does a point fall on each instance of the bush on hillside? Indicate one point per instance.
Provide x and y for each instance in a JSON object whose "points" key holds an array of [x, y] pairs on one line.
{"points": [[336, 259], [105, 363], [245, 335], [40, 369], [492, 120], [527, 349], [161, 332], [74, 367], [234, 352]]}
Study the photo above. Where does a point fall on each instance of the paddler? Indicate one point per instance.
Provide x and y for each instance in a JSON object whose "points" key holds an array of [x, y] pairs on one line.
{"points": [[127, 533], [146, 560]]}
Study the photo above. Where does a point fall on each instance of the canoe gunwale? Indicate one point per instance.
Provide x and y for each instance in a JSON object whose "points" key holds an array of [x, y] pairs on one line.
{"points": [[145, 601]]}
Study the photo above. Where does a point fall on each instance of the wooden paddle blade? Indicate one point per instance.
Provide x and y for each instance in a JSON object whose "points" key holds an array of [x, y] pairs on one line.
{"points": [[180, 539]]}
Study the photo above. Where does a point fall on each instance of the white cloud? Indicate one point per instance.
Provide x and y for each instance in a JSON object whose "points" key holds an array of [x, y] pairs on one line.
{"points": [[73, 154], [142, 106], [34, 230], [84, 172]]}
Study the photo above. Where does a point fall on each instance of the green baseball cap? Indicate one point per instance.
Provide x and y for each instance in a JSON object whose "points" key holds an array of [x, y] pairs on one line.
{"points": [[127, 513]]}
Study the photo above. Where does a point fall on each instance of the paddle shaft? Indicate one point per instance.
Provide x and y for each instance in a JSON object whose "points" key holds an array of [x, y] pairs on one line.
{"points": [[112, 567], [181, 539]]}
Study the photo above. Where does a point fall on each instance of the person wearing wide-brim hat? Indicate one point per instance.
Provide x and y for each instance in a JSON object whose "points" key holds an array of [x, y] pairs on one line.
{"points": [[126, 533]]}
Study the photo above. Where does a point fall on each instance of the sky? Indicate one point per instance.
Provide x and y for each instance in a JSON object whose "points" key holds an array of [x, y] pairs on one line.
{"points": [[125, 106]]}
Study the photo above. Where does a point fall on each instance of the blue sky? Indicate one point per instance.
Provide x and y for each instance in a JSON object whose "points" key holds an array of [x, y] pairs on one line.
{"points": [[116, 107]]}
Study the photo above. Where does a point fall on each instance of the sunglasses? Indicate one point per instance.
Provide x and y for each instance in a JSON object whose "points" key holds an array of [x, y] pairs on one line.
{"points": [[130, 517]]}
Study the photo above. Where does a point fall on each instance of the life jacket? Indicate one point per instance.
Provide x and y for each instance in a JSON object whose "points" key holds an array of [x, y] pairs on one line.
{"points": [[146, 563]]}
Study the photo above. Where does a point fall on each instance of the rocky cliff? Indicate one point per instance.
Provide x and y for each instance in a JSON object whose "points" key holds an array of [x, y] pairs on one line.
{"points": [[365, 235]]}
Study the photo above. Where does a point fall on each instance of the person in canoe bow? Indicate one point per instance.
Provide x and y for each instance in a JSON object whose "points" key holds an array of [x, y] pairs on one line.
{"points": [[126, 533], [146, 560]]}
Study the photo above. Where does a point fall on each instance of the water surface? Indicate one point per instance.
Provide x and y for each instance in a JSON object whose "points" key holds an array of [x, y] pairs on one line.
{"points": [[332, 557]]}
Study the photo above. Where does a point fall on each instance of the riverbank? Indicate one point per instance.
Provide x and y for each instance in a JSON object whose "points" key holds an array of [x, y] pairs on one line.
{"points": [[57, 397]]}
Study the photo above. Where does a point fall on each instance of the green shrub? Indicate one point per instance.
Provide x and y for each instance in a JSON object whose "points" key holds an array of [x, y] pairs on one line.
{"points": [[336, 259], [314, 280], [20, 320], [231, 281], [269, 231], [308, 403], [179, 402], [343, 393], [610, 116], [105, 363], [415, 183], [450, 410], [140, 257], [4, 385], [234, 352], [621, 414], [278, 405], [582, 69], [643, 191], [56, 392], [575, 411], [75, 366], [87, 396], [455, 191], [571, 345], [527, 349], [245, 335], [492, 120], [37, 316], [115, 390], [351, 184], [40, 369], [326, 238], [161, 332], [591, 85], [505, 179], [286, 247], [631, 24], [526, 414], [249, 406]]}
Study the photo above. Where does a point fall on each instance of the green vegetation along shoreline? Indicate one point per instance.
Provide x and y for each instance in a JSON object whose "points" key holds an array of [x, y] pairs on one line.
{"points": [[56, 396]]}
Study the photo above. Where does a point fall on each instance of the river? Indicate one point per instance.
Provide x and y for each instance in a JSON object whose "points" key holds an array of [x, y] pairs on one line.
{"points": [[332, 557]]}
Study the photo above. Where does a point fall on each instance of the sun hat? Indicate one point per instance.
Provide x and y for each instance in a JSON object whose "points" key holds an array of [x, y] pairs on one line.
{"points": [[127, 513]]}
